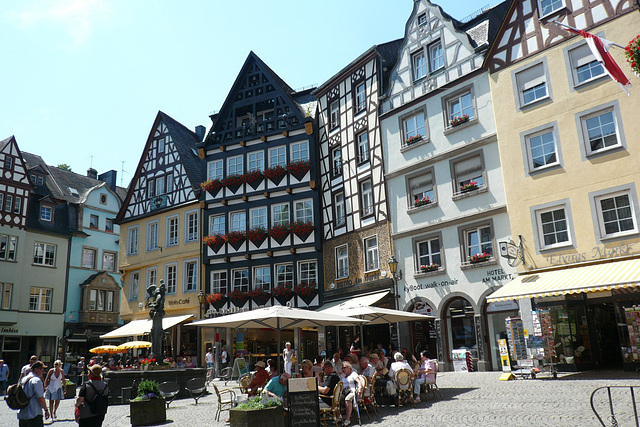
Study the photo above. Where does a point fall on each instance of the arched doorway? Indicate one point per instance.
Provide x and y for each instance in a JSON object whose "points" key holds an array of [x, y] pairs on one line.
{"points": [[423, 334], [459, 321]]}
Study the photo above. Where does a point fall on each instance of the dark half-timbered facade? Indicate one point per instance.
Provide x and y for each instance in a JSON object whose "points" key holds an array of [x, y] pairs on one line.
{"points": [[14, 185]]}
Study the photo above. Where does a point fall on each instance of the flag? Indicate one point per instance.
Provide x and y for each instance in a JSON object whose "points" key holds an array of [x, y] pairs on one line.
{"points": [[600, 50]]}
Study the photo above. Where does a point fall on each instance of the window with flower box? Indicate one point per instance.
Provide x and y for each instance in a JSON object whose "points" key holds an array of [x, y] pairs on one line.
{"points": [[340, 209], [278, 156], [240, 278], [342, 262], [304, 210], [280, 214], [235, 166], [436, 56], [238, 221], [284, 274], [360, 98], [190, 275], [414, 128], [215, 169], [371, 253], [256, 161], [477, 240], [172, 231], [429, 255], [40, 299], [44, 254], [421, 189], [258, 217], [308, 272], [219, 282], [468, 173], [460, 108], [363, 147], [262, 278], [300, 151]]}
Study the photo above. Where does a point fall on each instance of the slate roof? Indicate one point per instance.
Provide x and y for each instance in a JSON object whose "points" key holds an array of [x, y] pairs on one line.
{"points": [[483, 28], [186, 142], [5, 142]]}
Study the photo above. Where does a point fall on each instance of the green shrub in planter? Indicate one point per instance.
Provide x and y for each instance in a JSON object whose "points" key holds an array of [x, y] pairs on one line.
{"points": [[257, 412], [148, 408]]}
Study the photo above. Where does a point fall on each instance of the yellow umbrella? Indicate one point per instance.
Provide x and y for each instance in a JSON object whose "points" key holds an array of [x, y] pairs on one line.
{"points": [[105, 349], [134, 344]]}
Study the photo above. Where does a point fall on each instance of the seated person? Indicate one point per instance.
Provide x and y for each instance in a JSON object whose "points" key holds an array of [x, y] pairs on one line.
{"points": [[337, 363], [399, 363], [259, 380], [375, 361], [425, 375], [189, 362], [277, 386], [366, 368], [352, 386], [272, 368], [317, 367], [331, 379], [307, 368]]}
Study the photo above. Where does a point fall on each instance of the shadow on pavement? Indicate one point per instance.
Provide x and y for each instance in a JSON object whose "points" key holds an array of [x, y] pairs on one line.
{"points": [[598, 375]]}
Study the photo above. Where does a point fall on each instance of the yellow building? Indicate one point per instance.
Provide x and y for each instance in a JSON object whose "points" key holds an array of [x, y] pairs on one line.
{"points": [[570, 152]]}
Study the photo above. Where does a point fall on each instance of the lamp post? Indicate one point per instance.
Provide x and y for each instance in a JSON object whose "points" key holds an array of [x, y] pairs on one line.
{"points": [[201, 301], [393, 268]]}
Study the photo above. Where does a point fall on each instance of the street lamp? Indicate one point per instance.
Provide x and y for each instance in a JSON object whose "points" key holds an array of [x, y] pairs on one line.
{"points": [[201, 301], [393, 268]]}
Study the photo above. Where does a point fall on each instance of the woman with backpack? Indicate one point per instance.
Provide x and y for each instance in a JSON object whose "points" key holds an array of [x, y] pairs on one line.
{"points": [[92, 401], [55, 386]]}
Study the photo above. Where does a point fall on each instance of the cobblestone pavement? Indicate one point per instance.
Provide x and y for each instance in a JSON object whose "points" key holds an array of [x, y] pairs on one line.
{"points": [[473, 399]]}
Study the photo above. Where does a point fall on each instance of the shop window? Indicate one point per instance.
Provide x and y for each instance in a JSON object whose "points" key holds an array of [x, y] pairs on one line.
{"points": [[459, 317]]}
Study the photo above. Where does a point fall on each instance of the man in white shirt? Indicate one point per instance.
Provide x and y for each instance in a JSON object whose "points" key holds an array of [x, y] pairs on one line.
{"points": [[399, 363], [26, 369]]}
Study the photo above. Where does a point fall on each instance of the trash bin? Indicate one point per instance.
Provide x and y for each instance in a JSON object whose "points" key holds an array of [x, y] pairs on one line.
{"points": [[126, 394], [462, 360]]}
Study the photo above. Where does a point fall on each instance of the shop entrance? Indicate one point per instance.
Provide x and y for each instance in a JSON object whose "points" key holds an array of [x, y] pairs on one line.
{"points": [[603, 317], [461, 332]]}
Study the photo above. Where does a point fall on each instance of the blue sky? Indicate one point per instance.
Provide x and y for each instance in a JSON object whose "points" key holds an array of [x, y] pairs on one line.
{"points": [[82, 80]]}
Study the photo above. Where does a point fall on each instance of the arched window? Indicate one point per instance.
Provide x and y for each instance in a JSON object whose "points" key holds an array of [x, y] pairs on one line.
{"points": [[462, 334]]}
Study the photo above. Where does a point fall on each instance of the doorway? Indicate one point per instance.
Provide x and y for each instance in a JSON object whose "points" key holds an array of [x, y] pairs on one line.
{"points": [[603, 319]]}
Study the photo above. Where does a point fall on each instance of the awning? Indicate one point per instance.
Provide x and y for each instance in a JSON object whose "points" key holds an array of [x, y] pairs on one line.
{"points": [[589, 278], [143, 326], [355, 302]]}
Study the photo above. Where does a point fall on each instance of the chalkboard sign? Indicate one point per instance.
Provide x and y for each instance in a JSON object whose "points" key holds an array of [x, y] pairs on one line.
{"points": [[304, 408]]}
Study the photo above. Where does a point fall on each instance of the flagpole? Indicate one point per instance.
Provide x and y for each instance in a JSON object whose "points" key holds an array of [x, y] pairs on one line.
{"points": [[576, 30]]}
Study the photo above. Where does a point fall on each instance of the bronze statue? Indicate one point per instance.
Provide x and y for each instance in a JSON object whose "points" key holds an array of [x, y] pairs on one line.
{"points": [[155, 301]]}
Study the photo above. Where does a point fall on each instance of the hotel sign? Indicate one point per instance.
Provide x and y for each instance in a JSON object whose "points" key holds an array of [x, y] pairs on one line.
{"points": [[598, 252]]}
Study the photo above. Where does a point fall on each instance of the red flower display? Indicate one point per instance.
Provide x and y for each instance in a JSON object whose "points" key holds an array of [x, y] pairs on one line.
{"points": [[306, 289], [253, 178], [472, 185], [260, 294], [632, 52], [280, 232], [421, 202], [284, 291], [413, 139], [213, 298], [212, 186], [233, 181], [479, 257], [429, 267], [235, 237], [299, 169], [302, 229], [238, 296], [213, 240], [458, 120], [275, 173], [257, 235]]}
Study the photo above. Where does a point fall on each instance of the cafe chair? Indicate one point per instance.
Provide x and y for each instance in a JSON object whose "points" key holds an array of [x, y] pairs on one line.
{"points": [[243, 383], [432, 386], [197, 388], [404, 386], [225, 374], [332, 413], [169, 390], [370, 392], [224, 402], [360, 396]]}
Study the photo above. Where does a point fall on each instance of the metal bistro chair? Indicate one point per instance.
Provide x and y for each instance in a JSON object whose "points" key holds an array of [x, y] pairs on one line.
{"points": [[404, 386], [370, 393], [432, 386], [243, 383], [361, 396], [225, 375], [169, 390], [223, 403], [197, 388], [332, 413]]}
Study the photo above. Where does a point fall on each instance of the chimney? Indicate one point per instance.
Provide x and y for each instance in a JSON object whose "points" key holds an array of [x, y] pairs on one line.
{"points": [[92, 173], [110, 178], [200, 130]]}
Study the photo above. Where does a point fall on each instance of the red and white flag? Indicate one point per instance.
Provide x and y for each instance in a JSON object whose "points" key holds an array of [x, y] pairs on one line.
{"points": [[600, 50]]}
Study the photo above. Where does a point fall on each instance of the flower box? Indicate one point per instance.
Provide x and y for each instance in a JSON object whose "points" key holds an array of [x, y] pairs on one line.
{"points": [[260, 296], [148, 412], [632, 53], [421, 202], [282, 293], [275, 174], [302, 229], [273, 417], [214, 241], [235, 239], [479, 258], [212, 186], [465, 188], [233, 182], [306, 291], [253, 178], [413, 139], [280, 233], [257, 236], [299, 169], [458, 120], [238, 298], [217, 300], [429, 267]]}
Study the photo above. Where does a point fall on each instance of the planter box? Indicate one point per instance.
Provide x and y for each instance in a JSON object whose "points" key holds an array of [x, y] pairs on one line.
{"points": [[268, 417], [148, 412], [71, 391]]}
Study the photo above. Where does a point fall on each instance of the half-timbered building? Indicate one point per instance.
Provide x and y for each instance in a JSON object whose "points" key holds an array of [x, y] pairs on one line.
{"points": [[355, 212], [262, 207]]}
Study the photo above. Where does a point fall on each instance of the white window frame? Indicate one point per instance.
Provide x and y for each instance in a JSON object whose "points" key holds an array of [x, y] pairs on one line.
{"points": [[468, 176], [94, 221], [340, 207], [237, 275], [8, 206], [169, 179], [360, 97], [300, 151], [152, 276], [418, 65], [133, 235], [255, 161], [239, 218], [306, 273], [173, 232], [105, 255], [584, 117], [579, 56], [108, 225], [17, 204], [529, 77], [218, 281], [597, 200], [303, 210], [431, 256], [46, 248], [46, 212], [436, 61], [215, 169], [542, 13], [482, 244], [160, 185], [371, 254], [44, 299], [364, 150], [539, 133], [191, 226], [85, 253], [288, 274], [366, 198], [221, 227], [540, 227], [334, 114], [152, 236], [336, 162], [413, 120], [262, 272], [278, 156], [258, 217], [171, 278], [458, 99], [342, 262], [151, 187], [134, 285], [8, 247], [235, 165], [6, 295], [420, 186], [161, 145], [286, 211], [187, 284]]}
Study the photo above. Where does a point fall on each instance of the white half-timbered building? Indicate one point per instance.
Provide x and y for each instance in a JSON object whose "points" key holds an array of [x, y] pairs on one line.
{"points": [[14, 185]]}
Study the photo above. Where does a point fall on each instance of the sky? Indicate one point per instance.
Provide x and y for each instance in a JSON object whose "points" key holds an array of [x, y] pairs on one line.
{"points": [[83, 80]]}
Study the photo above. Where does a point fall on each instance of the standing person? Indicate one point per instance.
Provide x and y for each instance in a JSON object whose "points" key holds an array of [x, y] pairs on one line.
{"points": [[4, 377], [26, 369], [88, 392], [355, 346], [209, 359], [223, 358], [31, 415], [81, 370], [287, 355], [55, 386]]}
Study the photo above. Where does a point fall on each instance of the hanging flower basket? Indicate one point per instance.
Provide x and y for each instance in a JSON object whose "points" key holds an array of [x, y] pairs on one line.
{"points": [[260, 296], [429, 267], [413, 139], [421, 202], [472, 185], [214, 241], [233, 182], [257, 235], [253, 178], [458, 120], [302, 229], [282, 293], [235, 239], [477, 258], [279, 233], [632, 52], [238, 298], [217, 300], [306, 291], [212, 186], [299, 169], [275, 174]]}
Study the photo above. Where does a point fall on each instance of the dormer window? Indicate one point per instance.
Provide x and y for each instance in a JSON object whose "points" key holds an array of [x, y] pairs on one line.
{"points": [[46, 213], [74, 192]]}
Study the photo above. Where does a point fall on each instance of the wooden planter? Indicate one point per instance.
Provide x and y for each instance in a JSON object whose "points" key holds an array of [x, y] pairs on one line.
{"points": [[268, 417], [148, 412]]}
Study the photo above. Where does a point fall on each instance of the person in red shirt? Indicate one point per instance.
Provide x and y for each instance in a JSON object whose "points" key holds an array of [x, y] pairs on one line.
{"points": [[261, 378]]}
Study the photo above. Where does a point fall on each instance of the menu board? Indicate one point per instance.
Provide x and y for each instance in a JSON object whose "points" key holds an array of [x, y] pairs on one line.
{"points": [[632, 315], [515, 336], [304, 408]]}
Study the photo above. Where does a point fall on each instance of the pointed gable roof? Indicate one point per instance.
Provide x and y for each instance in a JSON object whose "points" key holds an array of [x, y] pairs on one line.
{"points": [[10, 146]]}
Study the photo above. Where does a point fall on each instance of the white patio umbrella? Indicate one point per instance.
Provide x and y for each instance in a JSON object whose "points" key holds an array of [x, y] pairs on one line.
{"points": [[376, 315]]}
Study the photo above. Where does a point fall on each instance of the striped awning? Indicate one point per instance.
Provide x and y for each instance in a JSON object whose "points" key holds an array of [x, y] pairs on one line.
{"points": [[589, 278]]}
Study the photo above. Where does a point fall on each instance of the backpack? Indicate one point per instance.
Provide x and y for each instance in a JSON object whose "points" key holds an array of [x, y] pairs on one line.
{"points": [[16, 398], [98, 405]]}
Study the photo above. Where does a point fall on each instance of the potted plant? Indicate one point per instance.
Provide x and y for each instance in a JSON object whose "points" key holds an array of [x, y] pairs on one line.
{"points": [[260, 296], [283, 293], [474, 259], [153, 365], [235, 239], [421, 202], [214, 241], [413, 139], [458, 120], [306, 291], [280, 232], [257, 235], [429, 267], [299, 169], [212, 186], [71, 389], [275, 174], [472, 185], [216, 299], [253, 178], [258, 410], [148, 408], [233, 182], [302, 229], [238, 298], [632, 52]]}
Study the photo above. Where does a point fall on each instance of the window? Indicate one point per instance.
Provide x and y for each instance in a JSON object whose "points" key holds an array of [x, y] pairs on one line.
{"points": [[160, 185], [17, 205], [550, 6], [419, 65], [361, 100], [300, 151], [171, 277], [258, 217], [277, 156], [8, 247], [584, 66], [414, 126], [429, 252], [216, 224], [421, 190], [304, 211], [152, 276], [172, 231], [371, 253], [460, 105], [366, 197], [238, 221], [215, 169], [103, 199], [7, 291], [110, 296], [93, 221], [44, 254], [469, 172], [336, 162], [151, 188], [169, 184], [284, 274], [334, 114], [8, 162], [134, 285], [46, 212], [280, 214], [190, 271], [108, 225], [422, 19], [262, 278], [363, 147], [616, 214], [1, 201], [219, 282], [191, 225], [552, 227], [132, 240], [532, 84], [256, 161], [101, 300], [307, 272], [40, 299], [235, 166], [8, 206], [152, 236], [436, 56], [109, 261], [600, 131], [341, 212], [240, 280], [541, 147], [478, 240], [161, 145], [88, 258], [342, 262]]}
